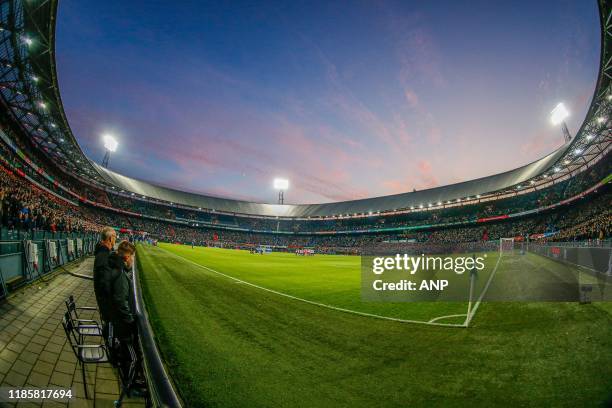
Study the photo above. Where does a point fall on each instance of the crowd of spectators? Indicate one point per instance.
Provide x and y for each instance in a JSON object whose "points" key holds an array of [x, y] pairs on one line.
{"points": [[27, 207]]}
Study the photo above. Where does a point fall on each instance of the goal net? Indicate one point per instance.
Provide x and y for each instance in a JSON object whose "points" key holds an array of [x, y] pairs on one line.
{"points": [[506, 246]]}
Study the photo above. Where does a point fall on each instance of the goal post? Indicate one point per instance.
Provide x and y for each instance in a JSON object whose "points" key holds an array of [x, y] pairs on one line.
{"points": [[506, 246]]}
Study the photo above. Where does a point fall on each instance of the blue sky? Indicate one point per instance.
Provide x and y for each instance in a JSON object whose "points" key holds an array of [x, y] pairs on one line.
{"points": [[346, 99]]}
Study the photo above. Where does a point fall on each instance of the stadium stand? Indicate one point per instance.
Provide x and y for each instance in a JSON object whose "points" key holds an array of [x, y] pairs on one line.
{"points": [[49, 187]]}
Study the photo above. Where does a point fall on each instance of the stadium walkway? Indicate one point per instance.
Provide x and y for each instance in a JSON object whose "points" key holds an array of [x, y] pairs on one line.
{"points": [[34, 352]]}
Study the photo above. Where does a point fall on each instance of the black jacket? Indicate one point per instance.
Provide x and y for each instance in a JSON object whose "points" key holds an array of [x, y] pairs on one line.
{"points": [[103, 276], [120, 293]]}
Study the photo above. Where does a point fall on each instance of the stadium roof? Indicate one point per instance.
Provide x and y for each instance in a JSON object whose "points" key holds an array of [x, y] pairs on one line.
{"points": [[397, 201], [30, 91]]}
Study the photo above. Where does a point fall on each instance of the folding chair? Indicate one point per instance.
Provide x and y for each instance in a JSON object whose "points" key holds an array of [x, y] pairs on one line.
{"points": [[71, 305], [84, 327], [85, 353]]}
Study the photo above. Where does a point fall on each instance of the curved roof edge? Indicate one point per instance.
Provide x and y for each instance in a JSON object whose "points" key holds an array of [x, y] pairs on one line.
{"points": [[461, 190]]}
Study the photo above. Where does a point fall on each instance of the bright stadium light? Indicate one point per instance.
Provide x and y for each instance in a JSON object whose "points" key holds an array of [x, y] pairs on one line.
{"points": [[281, 185], [110, 144], [559, 114]]}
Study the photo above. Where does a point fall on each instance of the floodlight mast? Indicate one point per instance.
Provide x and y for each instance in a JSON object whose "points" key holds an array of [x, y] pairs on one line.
{"points": [[110, 144], [281, 185], [558, 116]]}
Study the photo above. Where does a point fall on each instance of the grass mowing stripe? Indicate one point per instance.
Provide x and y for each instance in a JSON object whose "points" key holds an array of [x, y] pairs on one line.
{"points": [[339, 309]]}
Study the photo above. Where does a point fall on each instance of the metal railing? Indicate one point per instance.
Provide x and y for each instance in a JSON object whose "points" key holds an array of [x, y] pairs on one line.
{"points": [[27, 256], [161, 389]]}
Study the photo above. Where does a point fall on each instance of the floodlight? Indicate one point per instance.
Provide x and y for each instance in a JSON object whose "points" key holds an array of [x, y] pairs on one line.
{"points": [[578, 151], [110, 143], [559, 114], [601, 119], [281, 184], [589, 137]]}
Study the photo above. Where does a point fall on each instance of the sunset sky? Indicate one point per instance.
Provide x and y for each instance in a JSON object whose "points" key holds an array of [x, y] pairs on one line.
{"points": [[345, 99]]}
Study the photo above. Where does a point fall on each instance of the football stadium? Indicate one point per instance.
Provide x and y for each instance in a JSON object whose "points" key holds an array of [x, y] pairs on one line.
{"points": [[121, 291]]}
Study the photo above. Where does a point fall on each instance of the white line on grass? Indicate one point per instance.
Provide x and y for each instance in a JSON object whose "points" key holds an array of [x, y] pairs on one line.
{"points": [[446, 317], [340, 309], [470, 316]]}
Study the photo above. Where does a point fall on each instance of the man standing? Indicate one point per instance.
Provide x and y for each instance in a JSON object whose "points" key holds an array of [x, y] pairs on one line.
{"points": [[103, 273], [122, 315]]}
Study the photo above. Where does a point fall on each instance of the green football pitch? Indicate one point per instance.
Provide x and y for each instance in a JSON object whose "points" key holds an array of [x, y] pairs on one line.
{"points": [[238, 329]]}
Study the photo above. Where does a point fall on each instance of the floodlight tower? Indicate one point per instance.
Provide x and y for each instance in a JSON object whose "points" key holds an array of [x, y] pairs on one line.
{"points": [[281, 185], [110, 144], [558, 116]]}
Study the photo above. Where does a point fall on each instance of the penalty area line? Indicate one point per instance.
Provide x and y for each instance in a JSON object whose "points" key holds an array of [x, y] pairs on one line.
{"points": [[339, 309]]}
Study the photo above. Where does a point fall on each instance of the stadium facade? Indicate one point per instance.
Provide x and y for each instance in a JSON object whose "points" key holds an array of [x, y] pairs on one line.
{"points": [[36, 125]]}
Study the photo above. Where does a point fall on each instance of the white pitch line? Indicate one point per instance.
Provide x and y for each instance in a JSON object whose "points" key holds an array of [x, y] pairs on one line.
{"points": [[446, 317], [340, 309], [471, 315]]}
